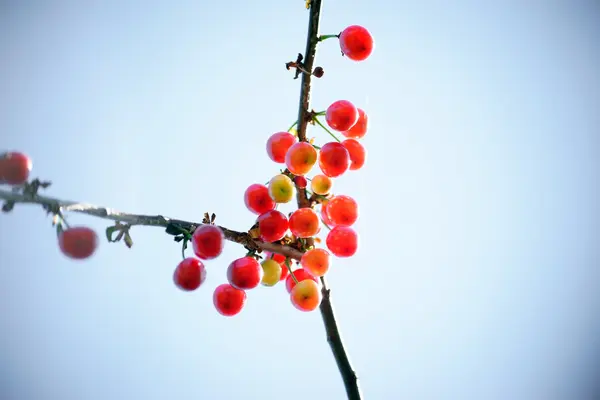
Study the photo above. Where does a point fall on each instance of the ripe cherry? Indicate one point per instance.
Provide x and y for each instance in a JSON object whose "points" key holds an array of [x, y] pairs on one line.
{"points": [[244, 273], [306, 296], [272, 225], [278, 145], [341, 115], [300, 274], [78, 243], [189, 274], [280, 258], [304, 223], [321, 184], [356, 43], [316, 261], [228, 300], [342, 210], [357, 153], [208, 241], [14, 168], [300, 158], [258, 200], [342, 241], [334, 159], [360, 128], [300, 182]]}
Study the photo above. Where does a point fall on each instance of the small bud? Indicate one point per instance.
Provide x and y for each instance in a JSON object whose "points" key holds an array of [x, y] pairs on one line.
{"points": [[318, 72]]}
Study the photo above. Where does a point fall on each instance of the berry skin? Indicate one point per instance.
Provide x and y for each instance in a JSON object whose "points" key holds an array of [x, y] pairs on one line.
{"points": [[208, 242], [300, 158], [258, 200], [244, 273], [357, 153], [281, 188], [300, 274], [359, 129], [316, 261], [78, 243], [342, 210], [271, 272], [325, 216], [304, 223], [278, 145], [189, 274], [334, 159], [341, 115], [306, 296], [14, 168], [321, 184], [281, 260], [356, 43], [272, 225], [342, 241], [228, 300], [300, 182]]}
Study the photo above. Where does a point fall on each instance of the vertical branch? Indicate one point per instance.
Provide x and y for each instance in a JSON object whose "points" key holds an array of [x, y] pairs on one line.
{"points": [[334, 337]]}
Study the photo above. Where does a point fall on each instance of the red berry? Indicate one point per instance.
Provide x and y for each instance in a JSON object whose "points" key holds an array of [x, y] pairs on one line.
{"points": [[334, 159], [300, 158], [300, 274], [304, 223], [357, 153], [306, 296], [208, 241], [272, 225], [316, 261], [78, 243], [278, 145], [356, 43], [342, 241], [300, 182], [281, 260], [258, 200], [360, 128], [189, 274], [325, 216], [342, 210], [228, 300], [14, 168], [244, 273], [341, 115]]}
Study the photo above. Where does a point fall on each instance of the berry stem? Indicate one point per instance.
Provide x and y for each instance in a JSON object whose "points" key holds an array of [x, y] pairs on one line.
{"points": [[293, 125], [289, 267], [325, 37], [325, 225], [326, 130]]}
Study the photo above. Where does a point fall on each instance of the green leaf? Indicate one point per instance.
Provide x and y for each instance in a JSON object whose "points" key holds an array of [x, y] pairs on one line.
{"points": [[128, 240], [109, 232]]}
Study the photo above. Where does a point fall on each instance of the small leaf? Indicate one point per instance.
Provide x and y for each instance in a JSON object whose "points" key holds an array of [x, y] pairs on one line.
{"points": [[174, 229], [178, 238], [212, 218], [8, 206], [109, 231], [128, 240]]}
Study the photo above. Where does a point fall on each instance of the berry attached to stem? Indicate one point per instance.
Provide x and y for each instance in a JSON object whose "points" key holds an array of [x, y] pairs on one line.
{"points": [[228, 300], [78, 243], [189, 274]]}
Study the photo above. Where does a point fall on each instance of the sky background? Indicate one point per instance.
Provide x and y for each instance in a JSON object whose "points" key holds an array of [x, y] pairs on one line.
{"points": [[477, 274]]}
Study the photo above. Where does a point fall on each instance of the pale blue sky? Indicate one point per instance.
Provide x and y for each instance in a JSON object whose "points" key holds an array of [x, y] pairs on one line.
{"points": [[477, 273]]}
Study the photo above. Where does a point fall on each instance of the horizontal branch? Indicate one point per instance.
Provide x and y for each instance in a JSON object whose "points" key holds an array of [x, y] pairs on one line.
{"points": [[143, 220]]}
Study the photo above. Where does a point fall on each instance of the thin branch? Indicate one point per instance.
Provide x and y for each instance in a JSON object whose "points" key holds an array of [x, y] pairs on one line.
{"points": [[143, 220], [334, 338]]}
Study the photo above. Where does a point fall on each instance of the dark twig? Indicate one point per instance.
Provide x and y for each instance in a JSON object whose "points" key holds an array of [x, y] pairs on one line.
{"points": [[64, 206], [334, 337]]}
